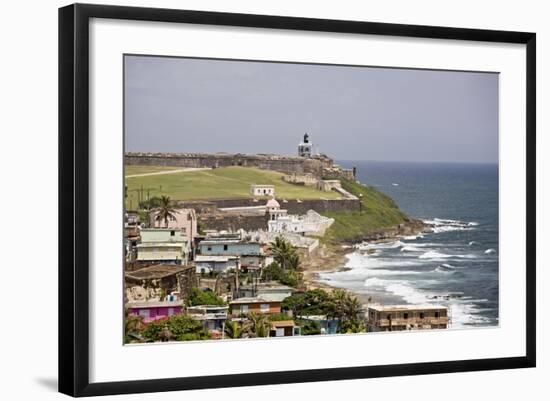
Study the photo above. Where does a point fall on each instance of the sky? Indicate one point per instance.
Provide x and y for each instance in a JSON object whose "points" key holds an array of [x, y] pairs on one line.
{"points": [[350, 113]]}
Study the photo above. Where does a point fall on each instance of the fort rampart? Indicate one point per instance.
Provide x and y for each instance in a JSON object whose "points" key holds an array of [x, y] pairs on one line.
{"points": [[285, 164]]}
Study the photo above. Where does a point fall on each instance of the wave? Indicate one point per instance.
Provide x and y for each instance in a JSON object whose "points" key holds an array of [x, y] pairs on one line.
{"points": [[434, 255], [386, 272], [410, 248], [445, 225], [441, 269], [438, 255], [380, 245], [473, 243], [489, 251]]}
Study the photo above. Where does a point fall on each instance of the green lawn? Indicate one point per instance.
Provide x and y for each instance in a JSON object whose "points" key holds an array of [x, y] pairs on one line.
{"points": [[378, 211], [220, 183], [131, 170]]}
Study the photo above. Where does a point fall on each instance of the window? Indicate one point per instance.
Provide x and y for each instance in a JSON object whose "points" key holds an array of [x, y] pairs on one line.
{"points": [[405, 315], [225, 247], [145, 313], [437, 314], [184, 230], [388, 317], [170, 311], [264, 308], [209, 248], [244, 308], [172, 233], [421, 315]]}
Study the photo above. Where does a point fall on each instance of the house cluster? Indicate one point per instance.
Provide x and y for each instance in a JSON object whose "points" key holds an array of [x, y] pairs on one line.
{"points": [[167, 259]]}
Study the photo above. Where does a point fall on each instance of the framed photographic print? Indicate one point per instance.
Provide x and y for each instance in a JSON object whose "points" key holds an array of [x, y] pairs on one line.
{"points": [[251, 199]]}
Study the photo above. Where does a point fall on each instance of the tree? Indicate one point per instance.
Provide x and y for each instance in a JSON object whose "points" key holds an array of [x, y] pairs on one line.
{"points": [[234, 329], [133, 325], [259, 325], [285, 254], [291, 278], [200, 297], [346, 308], [165, 211], [312, 302], [309, 327], [179, 327]]}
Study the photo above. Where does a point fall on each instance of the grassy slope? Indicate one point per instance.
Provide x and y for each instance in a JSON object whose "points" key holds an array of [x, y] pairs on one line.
{"points": [[378, 211], [130, 170], [227, 182]]}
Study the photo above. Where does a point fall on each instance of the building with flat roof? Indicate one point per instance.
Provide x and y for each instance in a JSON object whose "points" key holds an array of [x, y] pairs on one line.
{"points": [[151, 311], [163, 245], [407, 317], [264, 305], [262, 190]]}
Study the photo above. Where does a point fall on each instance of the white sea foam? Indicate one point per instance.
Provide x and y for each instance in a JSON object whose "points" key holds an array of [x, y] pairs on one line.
{"points": [[386, 272], [489, 251], [473, 243], [410, 248], [434, 255], [395, 184], [438, 256], [380, 245], [444, 225]]}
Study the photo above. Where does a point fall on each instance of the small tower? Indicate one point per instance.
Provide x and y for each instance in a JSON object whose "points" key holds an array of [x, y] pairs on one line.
{"points": [[304, 148]]}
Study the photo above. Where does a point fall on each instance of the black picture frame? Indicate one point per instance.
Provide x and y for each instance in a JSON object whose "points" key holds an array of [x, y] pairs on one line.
{"points": [[74, 200]]}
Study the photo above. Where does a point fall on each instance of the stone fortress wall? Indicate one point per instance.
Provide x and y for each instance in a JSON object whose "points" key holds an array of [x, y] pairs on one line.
{"points": [[315, 165]]}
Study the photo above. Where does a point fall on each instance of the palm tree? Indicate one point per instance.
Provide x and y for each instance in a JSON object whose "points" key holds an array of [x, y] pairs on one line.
{"points": [[284, 253], [165, 211], [233, 329], [346, 308], [259, 325]]}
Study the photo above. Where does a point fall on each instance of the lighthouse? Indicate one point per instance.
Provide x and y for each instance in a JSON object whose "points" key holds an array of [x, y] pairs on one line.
{"points": [[305, 147]]}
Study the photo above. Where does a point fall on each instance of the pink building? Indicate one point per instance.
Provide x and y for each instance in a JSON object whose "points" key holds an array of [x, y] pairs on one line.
{"points": [[151, 311], [184, 220]]}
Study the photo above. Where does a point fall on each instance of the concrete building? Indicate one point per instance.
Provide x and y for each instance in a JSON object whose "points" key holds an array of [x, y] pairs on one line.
{"points": [[262, 190], [284, 328], [163, 245], [270, 290], [305, 245], [215, 263], [153, 283], [312, 223], [243, 306], [229, 247], [151, 311], [407, 317], [211, 316], [184, 220]]}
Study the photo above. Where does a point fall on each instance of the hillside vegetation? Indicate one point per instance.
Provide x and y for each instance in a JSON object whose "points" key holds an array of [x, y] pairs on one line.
{"points": [[379, 211], [220, 183]]}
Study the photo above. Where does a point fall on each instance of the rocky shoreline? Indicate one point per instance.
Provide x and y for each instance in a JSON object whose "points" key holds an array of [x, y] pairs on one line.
{"points": [[331, 257]]}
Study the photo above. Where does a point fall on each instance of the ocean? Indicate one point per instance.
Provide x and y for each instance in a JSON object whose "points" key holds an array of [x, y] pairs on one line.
{"points": [[456, 265]]}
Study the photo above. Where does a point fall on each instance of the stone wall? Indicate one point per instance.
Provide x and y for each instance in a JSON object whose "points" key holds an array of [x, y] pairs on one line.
{"points": [[232, 222], [284, 164], [292, 205]]}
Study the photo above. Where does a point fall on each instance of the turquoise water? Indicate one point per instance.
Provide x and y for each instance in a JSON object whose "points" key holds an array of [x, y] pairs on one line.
{"points": [[457, 265]]}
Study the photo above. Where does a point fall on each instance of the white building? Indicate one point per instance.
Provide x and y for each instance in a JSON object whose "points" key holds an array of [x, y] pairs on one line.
{"points": [[280, 221], [262, 190]]}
